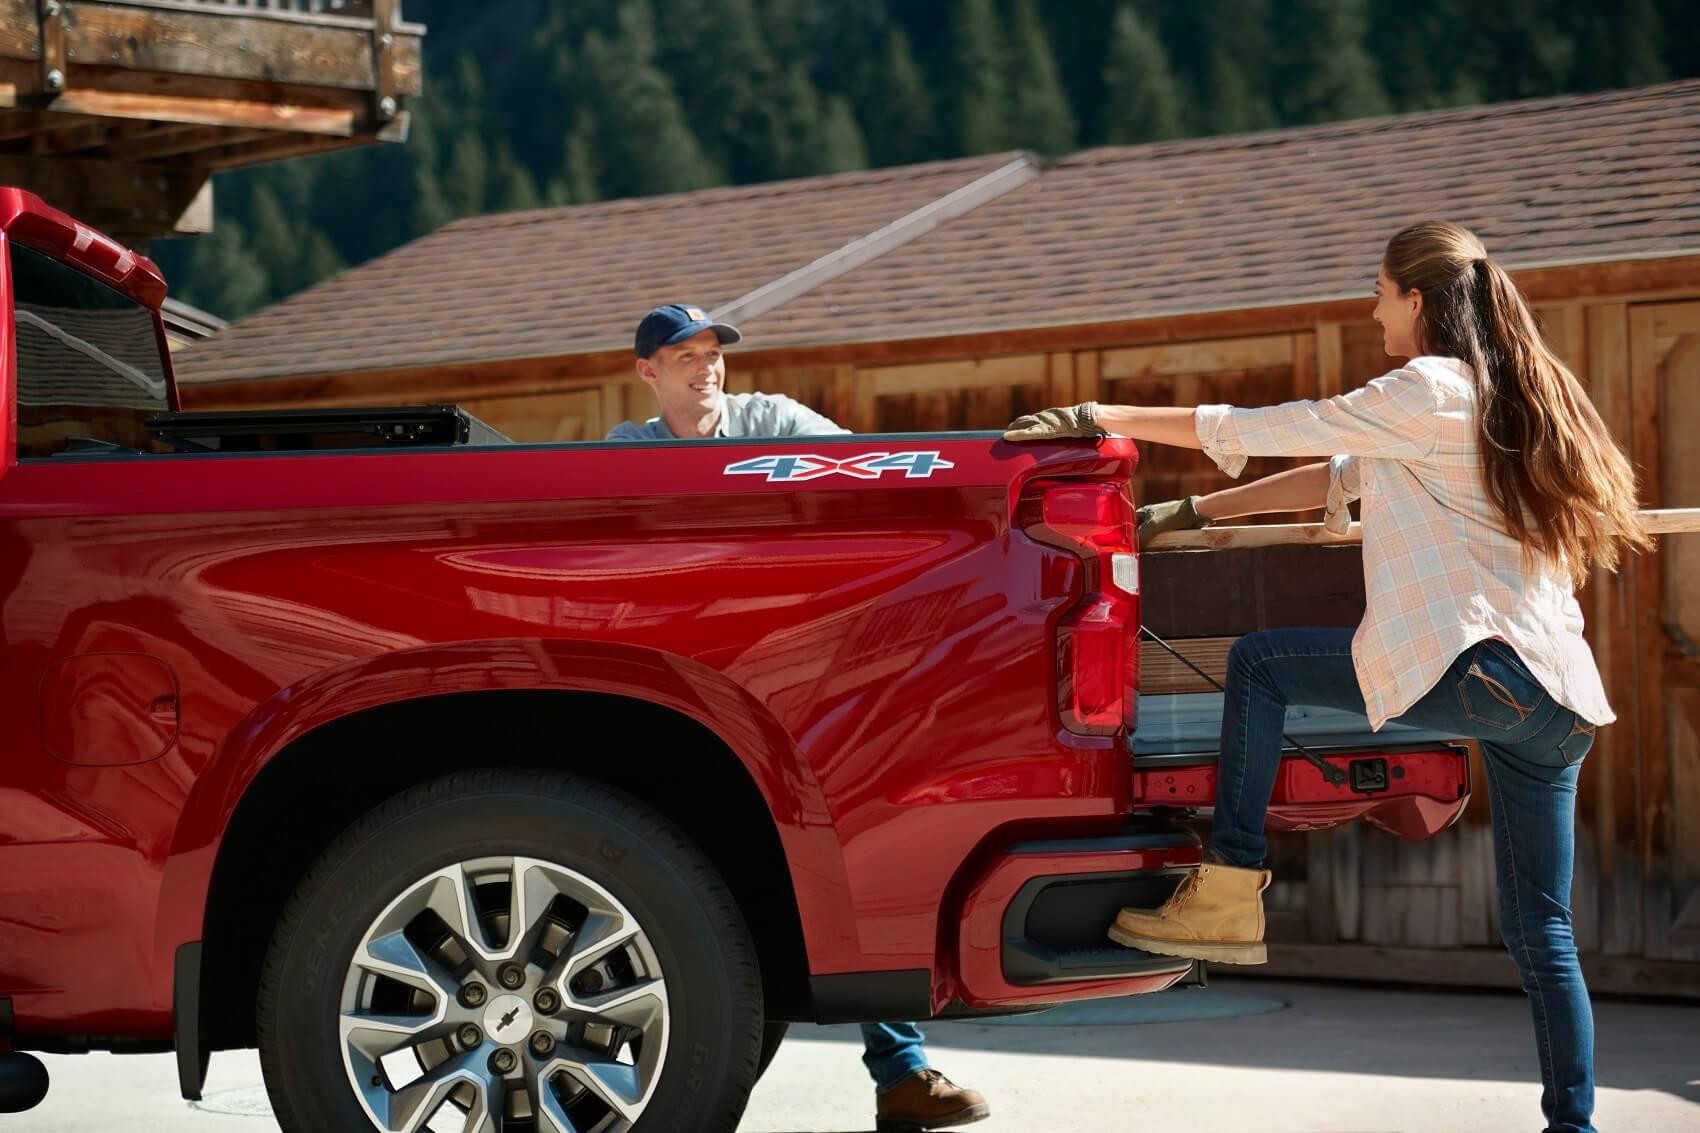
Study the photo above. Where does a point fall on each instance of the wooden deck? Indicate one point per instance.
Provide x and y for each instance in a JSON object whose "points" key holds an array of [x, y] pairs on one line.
{"points": [[119, 111]]}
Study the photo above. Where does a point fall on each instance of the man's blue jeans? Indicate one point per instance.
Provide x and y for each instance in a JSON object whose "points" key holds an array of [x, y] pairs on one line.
{"points": [[1532, 747], [892, 1052]]}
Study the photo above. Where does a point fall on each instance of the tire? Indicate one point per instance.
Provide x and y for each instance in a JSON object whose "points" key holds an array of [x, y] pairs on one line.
{"points": [[626, 925], [772, 1034]]}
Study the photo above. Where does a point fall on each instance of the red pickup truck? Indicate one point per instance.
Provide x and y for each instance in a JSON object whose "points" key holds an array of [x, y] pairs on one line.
{"points": [[499, 786]]}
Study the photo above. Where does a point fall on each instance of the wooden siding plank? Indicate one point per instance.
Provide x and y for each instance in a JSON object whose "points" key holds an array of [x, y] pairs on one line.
{"points": [[1330, 373], [1198, 357], [950, 377]]}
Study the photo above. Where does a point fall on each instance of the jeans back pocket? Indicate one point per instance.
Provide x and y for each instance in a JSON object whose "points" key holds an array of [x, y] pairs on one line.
{"points": [[1577, 744], [1496, 691]]}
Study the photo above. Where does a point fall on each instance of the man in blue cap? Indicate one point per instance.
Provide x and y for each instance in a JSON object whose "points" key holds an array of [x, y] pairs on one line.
{"points": [[679, 355]]}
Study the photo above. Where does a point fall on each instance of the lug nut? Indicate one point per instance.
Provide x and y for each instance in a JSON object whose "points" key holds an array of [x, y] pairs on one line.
{"points": [[548, 1001], [504, 1061], [473, 995], [512, 976], [469, 1035], [542, 1043]]}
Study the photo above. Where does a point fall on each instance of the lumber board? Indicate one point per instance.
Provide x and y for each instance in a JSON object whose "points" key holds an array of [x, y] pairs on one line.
{"points": [[1654, 521]]}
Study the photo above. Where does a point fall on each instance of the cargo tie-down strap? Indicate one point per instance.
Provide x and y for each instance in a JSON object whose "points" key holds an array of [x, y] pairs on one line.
{"points": [[1334, 775]]}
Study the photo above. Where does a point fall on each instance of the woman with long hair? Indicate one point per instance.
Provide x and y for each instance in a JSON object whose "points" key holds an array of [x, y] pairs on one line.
{"points": [[1489, 487]]}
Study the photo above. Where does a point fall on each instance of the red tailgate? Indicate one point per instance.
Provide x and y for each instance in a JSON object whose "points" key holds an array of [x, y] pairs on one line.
{"points": [[1415, 791]]}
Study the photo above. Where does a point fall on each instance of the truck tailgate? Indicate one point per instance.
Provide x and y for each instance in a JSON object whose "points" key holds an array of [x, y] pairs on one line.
{"points": [[1409, 782]]}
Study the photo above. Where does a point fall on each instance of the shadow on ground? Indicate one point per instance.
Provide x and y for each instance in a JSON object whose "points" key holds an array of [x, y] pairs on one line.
{"points": [[1260, 1024]]}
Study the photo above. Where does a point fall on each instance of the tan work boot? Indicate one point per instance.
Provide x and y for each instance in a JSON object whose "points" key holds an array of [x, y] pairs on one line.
{"points": [[928, 1100], [1216, 914]]}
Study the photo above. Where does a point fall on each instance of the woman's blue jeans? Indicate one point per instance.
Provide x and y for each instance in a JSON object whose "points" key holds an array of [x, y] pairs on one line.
{"points": [[1532, 747], [892, 1052]]}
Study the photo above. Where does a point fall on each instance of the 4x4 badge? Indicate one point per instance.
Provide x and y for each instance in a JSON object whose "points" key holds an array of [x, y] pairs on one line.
{"points": [[868, 466]]}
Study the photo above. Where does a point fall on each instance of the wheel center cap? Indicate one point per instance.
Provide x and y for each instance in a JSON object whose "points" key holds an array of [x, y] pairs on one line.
{"points": [[508, 1019]]}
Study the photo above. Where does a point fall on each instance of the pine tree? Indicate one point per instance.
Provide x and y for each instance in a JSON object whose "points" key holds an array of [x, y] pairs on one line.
{"points": [[581, 166], [1040, 118], [222, 275], [796, 29], [1232, 107], [1230, 69], [1625, 47], [896, 106], [319, 260], [466, 175], [798, 120], [1323, 72], [737, 108], [643, 141], [512, 187], [842, 146], [981, 116], [1680, 22], [1142, 101]]}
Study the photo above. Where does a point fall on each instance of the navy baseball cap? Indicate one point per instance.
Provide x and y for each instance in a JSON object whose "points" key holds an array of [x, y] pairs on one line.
{"points": [[672, 324]]}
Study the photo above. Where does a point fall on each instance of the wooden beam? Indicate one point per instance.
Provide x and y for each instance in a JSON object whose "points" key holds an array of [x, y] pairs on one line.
{"points": [[1648, 597], [1658, 521], [121, 200], [209, 42], [176, 140], [51, 17], [272, 147], [384, 103], [17, 124], [345, 121], [68, 133]]}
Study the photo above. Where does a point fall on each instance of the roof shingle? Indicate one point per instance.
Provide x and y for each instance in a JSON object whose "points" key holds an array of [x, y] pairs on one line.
{"points": [[565, 280], [1268, 219], [1280, 217]]}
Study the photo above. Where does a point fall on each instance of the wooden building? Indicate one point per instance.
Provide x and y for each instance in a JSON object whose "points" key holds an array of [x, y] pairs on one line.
{"points": [[958, 294], [120, 112]]}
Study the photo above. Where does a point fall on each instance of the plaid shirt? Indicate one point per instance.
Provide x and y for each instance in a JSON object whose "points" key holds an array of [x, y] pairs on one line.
{"points": [[1440, 572]]}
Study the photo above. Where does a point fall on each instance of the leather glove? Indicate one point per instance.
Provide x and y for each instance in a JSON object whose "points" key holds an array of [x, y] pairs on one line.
{"points": [[1056, 424], [1172, 515]]}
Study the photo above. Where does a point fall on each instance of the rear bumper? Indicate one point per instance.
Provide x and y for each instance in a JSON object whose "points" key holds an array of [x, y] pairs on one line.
{"points": [[1033, 926]]}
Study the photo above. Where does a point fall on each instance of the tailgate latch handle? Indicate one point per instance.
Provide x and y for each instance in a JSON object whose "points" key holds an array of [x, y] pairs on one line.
{"points": [[1368, 775]]}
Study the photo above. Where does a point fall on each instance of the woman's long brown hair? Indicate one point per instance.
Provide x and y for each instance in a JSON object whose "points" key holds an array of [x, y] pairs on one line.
{"points": [[1553, 470]]}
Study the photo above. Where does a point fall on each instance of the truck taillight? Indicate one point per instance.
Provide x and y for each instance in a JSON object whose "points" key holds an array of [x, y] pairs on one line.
{"points": [[1098, 638]]}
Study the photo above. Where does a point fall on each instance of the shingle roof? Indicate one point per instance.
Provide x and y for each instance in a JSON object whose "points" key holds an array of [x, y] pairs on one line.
{"points": [[566, 280], [1280, 217], [1252, 220]]}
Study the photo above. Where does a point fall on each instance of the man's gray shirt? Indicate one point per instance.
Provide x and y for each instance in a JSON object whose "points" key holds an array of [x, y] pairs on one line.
{"points": [[742, 415]]}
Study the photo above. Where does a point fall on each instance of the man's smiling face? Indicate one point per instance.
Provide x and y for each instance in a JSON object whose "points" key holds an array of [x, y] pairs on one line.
{"points": [[688, 377]]}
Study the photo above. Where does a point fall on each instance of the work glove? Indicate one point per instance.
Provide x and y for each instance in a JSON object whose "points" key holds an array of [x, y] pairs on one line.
{"points": [[1171, 515], [1056, 424]]}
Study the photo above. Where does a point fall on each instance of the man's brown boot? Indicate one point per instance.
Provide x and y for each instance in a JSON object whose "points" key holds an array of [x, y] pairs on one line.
{"points": [[1216, 914], [928, 1100]]}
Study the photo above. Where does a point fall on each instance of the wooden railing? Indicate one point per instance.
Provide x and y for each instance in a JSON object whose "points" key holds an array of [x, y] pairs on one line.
{"points": [[1667, 521], [359, 8]]}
